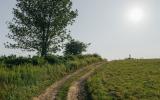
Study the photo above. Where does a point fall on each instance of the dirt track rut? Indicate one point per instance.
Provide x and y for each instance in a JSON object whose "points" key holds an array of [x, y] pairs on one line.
{"points": [[77, 90], [51, 92]]}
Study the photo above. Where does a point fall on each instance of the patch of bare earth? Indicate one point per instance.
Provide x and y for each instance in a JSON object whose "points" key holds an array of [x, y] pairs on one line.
{"points": [[77, 90], [51, 92]]}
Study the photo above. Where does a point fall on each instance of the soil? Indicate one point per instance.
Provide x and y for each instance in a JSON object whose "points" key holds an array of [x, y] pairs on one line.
{"points": [[75, 91]]}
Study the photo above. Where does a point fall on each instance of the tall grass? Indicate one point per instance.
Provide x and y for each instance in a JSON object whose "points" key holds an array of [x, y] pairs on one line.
{"points": [[22, 82]]}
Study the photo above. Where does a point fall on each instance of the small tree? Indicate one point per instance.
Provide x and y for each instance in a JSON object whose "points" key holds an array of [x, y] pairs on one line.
{"points": [[75, 48], [40, 25]]}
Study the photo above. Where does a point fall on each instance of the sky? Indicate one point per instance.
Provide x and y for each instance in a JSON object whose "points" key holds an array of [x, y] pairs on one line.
{"points": [[115, 28]]}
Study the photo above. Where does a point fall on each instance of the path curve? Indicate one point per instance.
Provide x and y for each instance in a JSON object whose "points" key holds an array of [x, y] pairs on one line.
{"points": [[51, 92], [77, 90]]}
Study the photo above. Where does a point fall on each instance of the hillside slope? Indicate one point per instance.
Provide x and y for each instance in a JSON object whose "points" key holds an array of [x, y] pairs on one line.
{"points": [[126, 80]]}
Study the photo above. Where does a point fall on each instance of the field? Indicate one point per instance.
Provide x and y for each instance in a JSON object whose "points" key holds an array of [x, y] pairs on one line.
{"points": [[126, 80], [22, 82]]}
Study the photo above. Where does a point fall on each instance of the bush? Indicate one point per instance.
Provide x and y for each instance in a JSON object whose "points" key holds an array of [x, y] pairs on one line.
{"points": [[38, 60], [75, 48], [13, 60], [53, 59]]}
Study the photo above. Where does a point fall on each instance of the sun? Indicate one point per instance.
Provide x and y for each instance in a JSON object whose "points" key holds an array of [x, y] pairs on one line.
{"points": [[136, 14]]}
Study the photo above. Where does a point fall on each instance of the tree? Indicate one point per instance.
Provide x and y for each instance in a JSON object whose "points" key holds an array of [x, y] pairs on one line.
{"points": [[40, 25], [75, 48]]}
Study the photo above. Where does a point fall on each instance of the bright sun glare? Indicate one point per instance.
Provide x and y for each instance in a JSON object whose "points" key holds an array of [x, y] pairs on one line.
{"points": [[136, 14]]}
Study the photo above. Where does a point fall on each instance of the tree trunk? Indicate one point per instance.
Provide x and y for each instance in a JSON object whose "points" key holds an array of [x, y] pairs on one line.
{"points": [[44, 45], [44, 52]]}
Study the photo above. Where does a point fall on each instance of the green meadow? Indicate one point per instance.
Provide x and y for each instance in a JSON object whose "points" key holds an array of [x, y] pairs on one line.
{"points": [[126, 80]]}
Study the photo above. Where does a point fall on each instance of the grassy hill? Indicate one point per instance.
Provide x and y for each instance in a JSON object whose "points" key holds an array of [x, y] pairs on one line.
{"points": [[22, 78], [126, 80]]}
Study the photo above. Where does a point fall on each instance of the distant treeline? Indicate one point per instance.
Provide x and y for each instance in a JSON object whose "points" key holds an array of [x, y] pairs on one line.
{"points": [[13, 60]]}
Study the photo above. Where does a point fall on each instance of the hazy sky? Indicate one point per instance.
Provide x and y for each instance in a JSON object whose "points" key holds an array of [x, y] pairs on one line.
{"points": [[115, 28]]}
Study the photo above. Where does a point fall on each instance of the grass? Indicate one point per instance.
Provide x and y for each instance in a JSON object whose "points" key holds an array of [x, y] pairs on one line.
{"points": [[126, 80], [22, 82]]}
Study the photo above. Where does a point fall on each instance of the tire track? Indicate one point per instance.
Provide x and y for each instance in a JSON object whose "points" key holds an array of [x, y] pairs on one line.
{"points": [[51, 92], [77, 90]]}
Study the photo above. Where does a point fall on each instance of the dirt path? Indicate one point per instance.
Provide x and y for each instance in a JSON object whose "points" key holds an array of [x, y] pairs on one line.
{"points": [[77, 90], [51, 92]]}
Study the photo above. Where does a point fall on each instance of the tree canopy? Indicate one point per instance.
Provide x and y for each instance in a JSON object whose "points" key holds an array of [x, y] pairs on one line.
{"points": [[40, 25], [75, 48]]}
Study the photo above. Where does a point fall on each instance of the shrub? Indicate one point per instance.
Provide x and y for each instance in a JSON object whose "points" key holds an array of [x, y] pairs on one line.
{"points": [[75, 48], [13, 60], [36, 60], [52, 59]]}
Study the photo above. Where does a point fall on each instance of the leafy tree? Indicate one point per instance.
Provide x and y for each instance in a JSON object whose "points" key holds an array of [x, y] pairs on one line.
{"points": [[75, 48], [40, 25]]}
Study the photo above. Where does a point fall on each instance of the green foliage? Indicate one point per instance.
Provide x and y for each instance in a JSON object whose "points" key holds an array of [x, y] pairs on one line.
{"points": [[13, 60], [40, 25], [36, 60], [126, 80], [53, 59], [22, 82], [75, 48]]}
